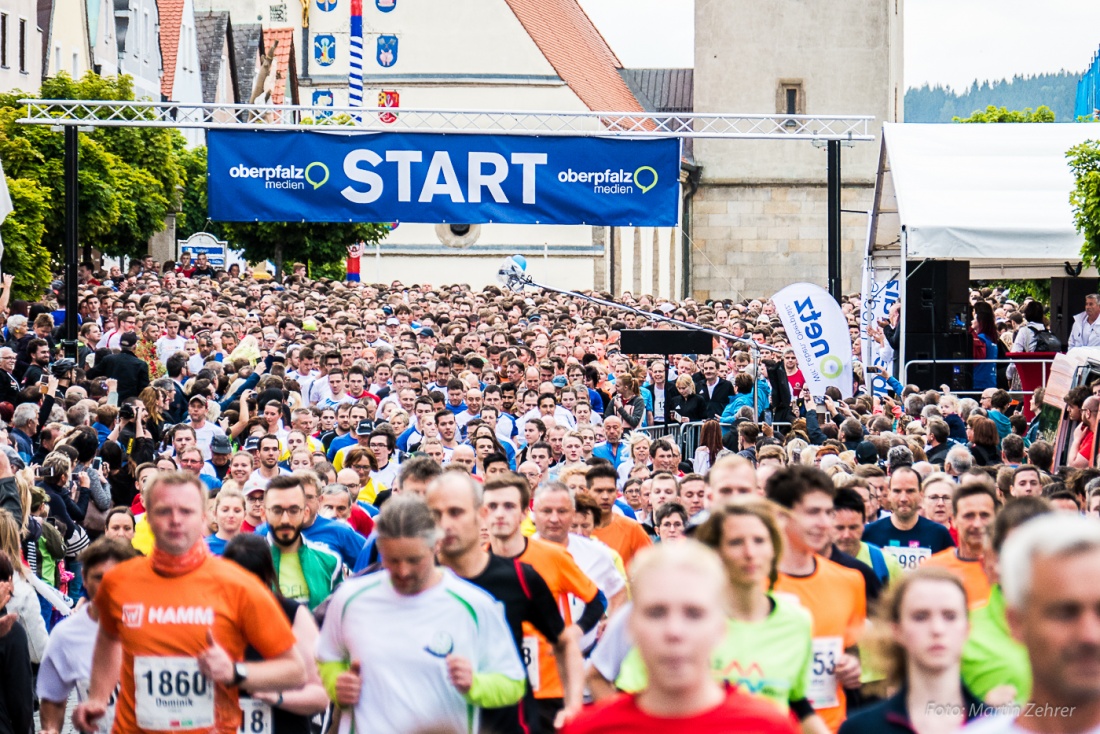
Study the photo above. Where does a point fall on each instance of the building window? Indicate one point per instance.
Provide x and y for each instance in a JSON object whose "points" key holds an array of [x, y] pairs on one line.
{"points": [[76, 65], [56, 60], [4, 40], [790, 99], [22, 46]]}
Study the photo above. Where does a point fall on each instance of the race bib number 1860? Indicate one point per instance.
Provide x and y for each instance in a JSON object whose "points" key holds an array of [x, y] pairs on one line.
{"points": [[171, 694]]}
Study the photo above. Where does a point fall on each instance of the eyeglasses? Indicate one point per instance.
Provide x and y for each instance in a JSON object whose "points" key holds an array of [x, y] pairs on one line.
{"points": [[361, 467], [291, 512], [256, 500], [937, 498]]}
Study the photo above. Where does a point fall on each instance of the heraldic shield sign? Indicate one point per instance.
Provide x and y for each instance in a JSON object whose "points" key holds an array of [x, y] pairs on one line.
{"points": [[324, 49], [385, 6], [387, 51], [388, 98]]}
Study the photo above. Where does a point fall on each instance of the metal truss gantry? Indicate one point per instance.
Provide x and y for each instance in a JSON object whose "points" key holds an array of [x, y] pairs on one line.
{"points": [[74, 116], [499, 122]]}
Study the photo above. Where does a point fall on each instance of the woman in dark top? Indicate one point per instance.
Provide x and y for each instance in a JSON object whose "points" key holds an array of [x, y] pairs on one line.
{"points": [[287, 712], [627, 404], [984, 440], [16, 688], [923, 624], [687, 406]]}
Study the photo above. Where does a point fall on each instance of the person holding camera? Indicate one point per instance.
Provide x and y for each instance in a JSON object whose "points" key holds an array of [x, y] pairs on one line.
{"points": [[131, 371]]}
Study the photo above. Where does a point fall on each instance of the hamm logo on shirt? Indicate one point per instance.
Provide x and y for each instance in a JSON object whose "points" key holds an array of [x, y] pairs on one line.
{"points": [[132, 615], [182, 615]]}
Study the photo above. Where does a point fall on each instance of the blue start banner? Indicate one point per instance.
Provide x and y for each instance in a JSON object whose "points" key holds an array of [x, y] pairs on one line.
{"points": [[425, 177]]}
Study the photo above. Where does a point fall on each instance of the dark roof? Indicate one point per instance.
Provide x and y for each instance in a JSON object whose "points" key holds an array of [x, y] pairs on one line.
{"points": [[45, 21], [213, 31], [662, 90], [248, 44]]}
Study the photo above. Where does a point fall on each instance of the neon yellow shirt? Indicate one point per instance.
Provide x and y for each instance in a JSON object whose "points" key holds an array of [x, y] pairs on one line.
{"points": [[770, 658], [992, 657], [292, 582]]}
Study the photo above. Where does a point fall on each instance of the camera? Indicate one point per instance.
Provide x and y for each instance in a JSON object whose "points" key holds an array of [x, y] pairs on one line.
{"points": [[45, 472], [127, 412]]}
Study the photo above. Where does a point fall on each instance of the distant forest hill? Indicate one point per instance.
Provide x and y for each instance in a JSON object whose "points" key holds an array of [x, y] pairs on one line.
{"points": [[940, 104]]}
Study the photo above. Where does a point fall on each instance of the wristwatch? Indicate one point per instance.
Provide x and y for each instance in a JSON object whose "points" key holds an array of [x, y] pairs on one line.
{"points": [[240, 673]]}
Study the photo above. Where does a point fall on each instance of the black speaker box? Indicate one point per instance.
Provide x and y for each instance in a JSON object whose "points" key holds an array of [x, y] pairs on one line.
{"points": [[946, 349], [937, 297], [1067, 299]]}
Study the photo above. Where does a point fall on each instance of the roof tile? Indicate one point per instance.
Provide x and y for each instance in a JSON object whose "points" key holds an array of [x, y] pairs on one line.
{"points": [[579, 54], [284, 60], [171, 20]]}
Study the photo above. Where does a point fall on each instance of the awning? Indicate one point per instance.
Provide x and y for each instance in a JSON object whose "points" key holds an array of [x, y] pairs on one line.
{"points": [[994, 194]]}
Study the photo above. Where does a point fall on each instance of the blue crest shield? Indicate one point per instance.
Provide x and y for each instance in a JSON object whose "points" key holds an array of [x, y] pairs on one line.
{"points": [[323, 98], [326, 6], [324, 49], [387, 51], [385, 6]]}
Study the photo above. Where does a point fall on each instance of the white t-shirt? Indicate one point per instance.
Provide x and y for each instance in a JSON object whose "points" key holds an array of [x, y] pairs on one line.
{"points": [[68, 663], [167, 347], [404, 669], [594, 558], [388, 474], [260, 479], [613, 647], [204, 435]]}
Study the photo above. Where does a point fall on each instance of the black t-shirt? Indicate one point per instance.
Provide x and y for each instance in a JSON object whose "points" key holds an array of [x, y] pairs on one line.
{"points": [[525, 600]]}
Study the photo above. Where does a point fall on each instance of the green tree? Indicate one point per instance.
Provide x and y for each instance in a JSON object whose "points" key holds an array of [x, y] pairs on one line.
{"points": [[322, 246], [1003, 114], [313, 243], [129, 177], [1084, 161], [24, 256]]}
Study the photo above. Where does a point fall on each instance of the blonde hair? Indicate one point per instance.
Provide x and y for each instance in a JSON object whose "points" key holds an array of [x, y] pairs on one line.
{"points": [[686, 554], [889, 655], [229, 493]]}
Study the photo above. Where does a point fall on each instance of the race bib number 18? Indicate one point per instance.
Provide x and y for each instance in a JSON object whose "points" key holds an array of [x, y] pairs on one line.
{"points": [[823, 685], [530, 653], [171, 694], [256, 716]]}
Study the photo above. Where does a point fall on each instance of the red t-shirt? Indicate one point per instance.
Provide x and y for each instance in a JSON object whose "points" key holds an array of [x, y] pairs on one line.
{"points": [[1086, 445], [798, 381], [360, 521], [738, 713]]}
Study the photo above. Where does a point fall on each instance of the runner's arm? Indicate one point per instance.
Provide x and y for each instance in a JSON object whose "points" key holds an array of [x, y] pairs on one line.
{"points": [[593, 612], [52, 715], [106, 666], [567, 655], [811, 724], [280, 673], [311, 698]]}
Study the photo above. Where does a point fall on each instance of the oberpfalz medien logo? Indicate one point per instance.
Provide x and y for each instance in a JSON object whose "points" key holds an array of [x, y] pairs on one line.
{"points": [[608, 181], [284, 177]]}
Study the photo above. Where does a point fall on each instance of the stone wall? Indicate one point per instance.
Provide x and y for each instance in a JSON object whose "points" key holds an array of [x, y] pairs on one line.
{"points": [[751, 240]]}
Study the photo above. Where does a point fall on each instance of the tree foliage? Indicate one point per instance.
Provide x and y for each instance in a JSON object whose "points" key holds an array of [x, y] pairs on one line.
{"points": [[1084, 161], [322, 246], [941, 104], [129, 181], [1003, 114]]}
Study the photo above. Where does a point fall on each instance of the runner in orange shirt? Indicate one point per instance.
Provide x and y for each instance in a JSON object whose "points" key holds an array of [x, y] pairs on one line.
{"points": [[505, 500], [974, 507], [833, 594], [620, 533], [176, 625]]}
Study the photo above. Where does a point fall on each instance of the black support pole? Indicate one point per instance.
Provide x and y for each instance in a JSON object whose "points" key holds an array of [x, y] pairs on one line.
{"points": [[834, 220], [72, 248]]}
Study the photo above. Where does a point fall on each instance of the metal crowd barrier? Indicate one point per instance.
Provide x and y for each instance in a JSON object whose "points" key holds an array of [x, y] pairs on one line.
{"points": [[688, 436], [1043, 372]]}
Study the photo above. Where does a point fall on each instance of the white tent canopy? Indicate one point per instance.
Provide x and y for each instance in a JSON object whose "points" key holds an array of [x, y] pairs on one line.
{"points": [[994, 194]]}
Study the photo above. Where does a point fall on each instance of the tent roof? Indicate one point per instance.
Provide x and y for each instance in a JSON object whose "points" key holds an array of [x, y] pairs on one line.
{"points": [[994, 194]]}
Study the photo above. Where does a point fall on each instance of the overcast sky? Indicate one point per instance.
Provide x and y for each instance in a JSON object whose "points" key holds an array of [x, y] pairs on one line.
{"points": [[950, 42]]}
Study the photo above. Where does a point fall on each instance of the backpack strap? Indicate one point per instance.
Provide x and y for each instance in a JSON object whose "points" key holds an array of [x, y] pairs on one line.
{"points": [[878, 563]]}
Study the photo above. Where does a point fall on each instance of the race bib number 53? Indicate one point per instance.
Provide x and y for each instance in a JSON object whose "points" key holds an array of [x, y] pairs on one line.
{"points": [[823, 685], [171, 694]]}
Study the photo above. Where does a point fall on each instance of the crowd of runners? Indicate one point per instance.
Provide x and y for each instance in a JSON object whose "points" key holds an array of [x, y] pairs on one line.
{"points": [[292, 506]]}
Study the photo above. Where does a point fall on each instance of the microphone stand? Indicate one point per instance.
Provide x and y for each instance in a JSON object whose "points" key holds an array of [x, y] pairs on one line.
{"points": [[516, 280]]}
